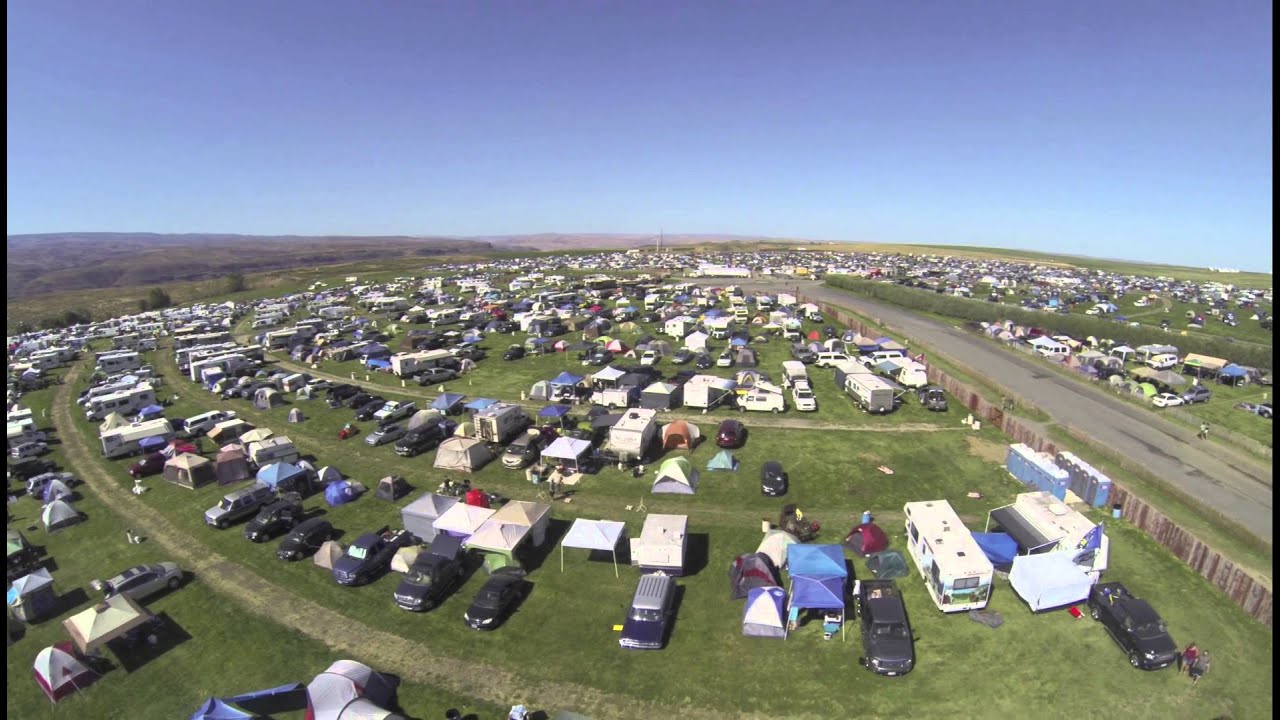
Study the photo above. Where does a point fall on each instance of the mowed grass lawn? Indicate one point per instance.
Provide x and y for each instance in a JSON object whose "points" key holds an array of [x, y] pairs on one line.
{"points": [[227, 651], [564, 629]]}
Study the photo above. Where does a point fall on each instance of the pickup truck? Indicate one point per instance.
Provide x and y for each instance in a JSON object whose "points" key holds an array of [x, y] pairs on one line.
{"points": [[886, 634], [1134, 625], [394, 410], [369, 556]]}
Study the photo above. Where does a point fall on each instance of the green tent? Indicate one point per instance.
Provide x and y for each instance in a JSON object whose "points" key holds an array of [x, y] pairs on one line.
{"points": [[676, 475], [723, 460], [1147, 389]]}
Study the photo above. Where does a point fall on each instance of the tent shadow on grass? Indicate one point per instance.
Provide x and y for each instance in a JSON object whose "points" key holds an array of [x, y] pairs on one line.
{"points": [[70, 600], [531, 557], [697, 553], [133, 656]]}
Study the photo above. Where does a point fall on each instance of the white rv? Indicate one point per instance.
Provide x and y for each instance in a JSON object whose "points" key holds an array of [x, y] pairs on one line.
{"points": [[408, 364], [708, 391], [871, 393], [271, 450], [662, 544], [633, 434], [118, 362], [125, 402], [124, 440], [955, 570], [793, 371]]}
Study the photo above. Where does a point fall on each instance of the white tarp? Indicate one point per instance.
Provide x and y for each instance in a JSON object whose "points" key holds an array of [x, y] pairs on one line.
{"points": [[594, 535]]}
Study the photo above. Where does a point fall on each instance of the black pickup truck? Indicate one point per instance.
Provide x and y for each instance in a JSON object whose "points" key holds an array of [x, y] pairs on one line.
{"points": [[1134, 625], [887, 644], [370, 556]]}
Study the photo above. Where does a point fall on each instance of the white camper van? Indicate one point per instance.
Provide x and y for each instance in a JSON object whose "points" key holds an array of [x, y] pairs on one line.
{"points": [[633, 434]]}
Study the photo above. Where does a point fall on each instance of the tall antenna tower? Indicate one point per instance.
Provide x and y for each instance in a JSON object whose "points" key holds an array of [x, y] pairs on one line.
{"points": [[658, 248]]}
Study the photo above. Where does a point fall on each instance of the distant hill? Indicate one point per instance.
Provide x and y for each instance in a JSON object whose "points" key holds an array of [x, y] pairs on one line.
{"points": [[60, 262]]}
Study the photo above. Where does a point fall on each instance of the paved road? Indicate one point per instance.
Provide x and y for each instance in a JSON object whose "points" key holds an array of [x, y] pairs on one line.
{"points": [[1236, 486]]}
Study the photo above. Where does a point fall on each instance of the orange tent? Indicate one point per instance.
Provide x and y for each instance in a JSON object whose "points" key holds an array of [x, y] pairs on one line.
{"points": [[679, 433]]}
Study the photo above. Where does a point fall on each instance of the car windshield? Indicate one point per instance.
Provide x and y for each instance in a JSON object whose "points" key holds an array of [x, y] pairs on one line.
{"points": [[419, 577], [264, 514], [646, 614], [889, 630], [225, 504], [357, 552], [803, 393]]}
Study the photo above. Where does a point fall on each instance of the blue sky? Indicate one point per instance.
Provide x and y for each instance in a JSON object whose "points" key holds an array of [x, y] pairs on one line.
{"points": [[1135, 129]]}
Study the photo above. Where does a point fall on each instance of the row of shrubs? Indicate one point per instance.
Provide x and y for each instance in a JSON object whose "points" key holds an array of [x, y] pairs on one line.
{"points": [[1077, 326]]}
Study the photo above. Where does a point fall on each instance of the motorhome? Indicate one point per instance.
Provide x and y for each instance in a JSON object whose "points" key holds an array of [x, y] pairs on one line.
{"points": [[118, 362], [633, 434], [1039, 522], [500, 423], [105, 389], [272, 450], [408, 364], [127, 341], [125, 402], [444, 316], [228, 364], [956, 571], [124, 440]]}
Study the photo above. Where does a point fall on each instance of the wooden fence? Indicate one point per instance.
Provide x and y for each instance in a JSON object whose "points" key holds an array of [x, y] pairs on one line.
{"points": [[1247, 592]]}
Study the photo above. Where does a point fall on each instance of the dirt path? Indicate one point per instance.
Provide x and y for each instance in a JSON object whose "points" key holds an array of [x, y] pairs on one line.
{"points": [[344, 635]]}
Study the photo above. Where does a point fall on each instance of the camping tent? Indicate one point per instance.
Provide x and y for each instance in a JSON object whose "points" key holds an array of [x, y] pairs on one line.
{"points": [[1000, 548], [267, 398], [676, 475], [231, 466], [113, 420], [749, 571], [461, 520], [218, 709], [763, 615], [256, 435], [775, 544], [59, 673], [404, 558], [55, 489], [155, 443], [818, 575], [106, 621], [327, 475], [567, 451], [479, 404], [1049, 580], [661, 396], [501, 538], [887, 565], [866, 539], [342, 492], [228, 430], [392, 488], [535, 516], [723, 460], [594, 535], [32, 598], [680, 434], [328, 554], [419, 515], [449, 403], [150, 412], [541, 390], [421, 417], [337, 693], [295, 415], [190, 471], [283, 476], [59, 515], [272, 701], [462, 454]]}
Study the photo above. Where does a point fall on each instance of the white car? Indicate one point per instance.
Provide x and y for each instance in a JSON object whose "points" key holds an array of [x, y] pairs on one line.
{"points": [[725, 359], [803, 397], [1166, 400], [649, 358]]}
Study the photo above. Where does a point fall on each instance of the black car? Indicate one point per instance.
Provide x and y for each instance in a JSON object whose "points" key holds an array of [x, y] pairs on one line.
{"points": [[515, 352], [773, 480], [274, 519], [355, 402], [371, 406], [425, 437], [507, 327], [305, 539], [703, 361], [496, 598], [887, 644], [523, 451], [599, 356], [471, 352], [369, 556], [432, 576], [437, 375], [339, 393], [682, 356], [681, 377], [29, 467], [1134, 625]]}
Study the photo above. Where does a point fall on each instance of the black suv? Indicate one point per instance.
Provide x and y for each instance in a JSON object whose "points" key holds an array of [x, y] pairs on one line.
{"points": [[682, 356], [305, 539], [600, 356], [773, 479], [424, 438], [886, 634], [515, 352], [340, 393], [435, 573], [933, 398], [1135, 626], [803, 354], [356, 401], [275, 518]]}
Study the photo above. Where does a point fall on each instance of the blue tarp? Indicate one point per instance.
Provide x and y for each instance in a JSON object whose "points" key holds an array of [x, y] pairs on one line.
{"points": [[738, 342], [1000, 548], [276, 474], [818, 575], [272, 701], [480, 404], [377, 364], [155, 442], [215, 709], [340, 493], [1233, 370], [446, 401], [1049, 580], [566, 378], [554, 411]]}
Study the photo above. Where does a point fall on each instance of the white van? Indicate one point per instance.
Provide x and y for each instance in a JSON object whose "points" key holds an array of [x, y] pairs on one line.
{"points": [[762, 402], [827, 359], [200, 424], [880, 356], [1163, 361]]}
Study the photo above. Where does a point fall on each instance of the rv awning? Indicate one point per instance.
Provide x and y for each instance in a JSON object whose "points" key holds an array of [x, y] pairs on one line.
{"points": [[1027, 537]]}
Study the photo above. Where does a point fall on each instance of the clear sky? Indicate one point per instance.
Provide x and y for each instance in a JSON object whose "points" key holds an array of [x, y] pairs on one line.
{"points": [[1128, 129]]}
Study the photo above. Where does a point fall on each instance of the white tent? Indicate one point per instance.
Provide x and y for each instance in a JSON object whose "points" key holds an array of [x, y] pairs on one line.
{"points": [[775, 544], [101, 623], [566, 451], [1049, 580], [535, 516], [462, 454], [404, 557], [462, 519], [59, 673], [594, 535], [334, 693], [419, 515], [696, 340], [499, 537]]}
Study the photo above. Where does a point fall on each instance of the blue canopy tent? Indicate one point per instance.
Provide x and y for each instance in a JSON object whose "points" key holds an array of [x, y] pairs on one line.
{"points": [[1051, 580], [818, 576], [1000, 548], [448, 403], [555, 412], [273, 701], [479, 404], [738, 342], [282, 476], [377, 364], [216, 709], [1232, 374], [152, 444], [340, 493], [150, 412], [564, 385]]}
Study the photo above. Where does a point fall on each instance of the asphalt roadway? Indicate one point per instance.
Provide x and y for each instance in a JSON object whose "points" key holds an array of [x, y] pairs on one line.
{"points": [[1234, 485]]}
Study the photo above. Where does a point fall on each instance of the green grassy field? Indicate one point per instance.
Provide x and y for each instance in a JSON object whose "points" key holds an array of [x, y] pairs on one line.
{"points": [[569, 616]]}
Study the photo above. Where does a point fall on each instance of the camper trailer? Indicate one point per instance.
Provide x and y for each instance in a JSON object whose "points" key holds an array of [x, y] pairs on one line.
{"points": [[408, 364], [872, 394], [229, 364], [956, 571], [500, 423], [708, 391], [272, 450], [632, 436], [125, 402], [118, 362], [1039, 522], [124, 440], [662, 544], [793, 371]]}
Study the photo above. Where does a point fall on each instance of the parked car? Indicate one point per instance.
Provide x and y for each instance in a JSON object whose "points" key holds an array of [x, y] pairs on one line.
{"points": [[338, 393], [731, 434], [28, 449], [1134, 625], [496, 599], [932, 398], [152, 464], [724, 359], [599, 356], [304, 539], [650, 358], [435, 376], [703, 361], [425, 437], [802, 395], [801, 352], [385, 434], [1164, 400], [650, 614], [369, 556], [887, 644], [523, 451], [141, 581], [431, 577], [773, 479], [239, 504], [515, 352], [1262, 410], [29, 467], [275, 518], [468, 351], [370, 408], [1196, 394], [682, 356]]}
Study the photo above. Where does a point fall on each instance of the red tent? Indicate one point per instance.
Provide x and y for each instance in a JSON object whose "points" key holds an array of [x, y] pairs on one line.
{"points": [[617, 346], [813, 335], [477, 497], [866, 539], [59, 673]]}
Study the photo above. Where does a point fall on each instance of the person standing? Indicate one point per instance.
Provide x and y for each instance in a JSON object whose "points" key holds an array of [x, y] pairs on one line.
{"points": [[1187, 657], [1199, 668], [1204, 431]]}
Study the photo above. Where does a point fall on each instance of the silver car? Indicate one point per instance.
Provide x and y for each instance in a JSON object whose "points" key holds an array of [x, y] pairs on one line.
{"points": [[384, 435], [142, 581]]}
